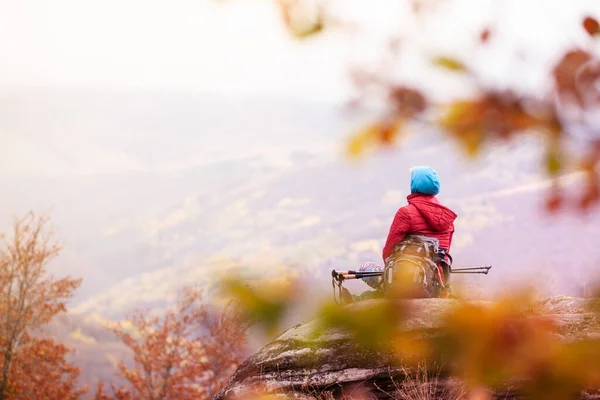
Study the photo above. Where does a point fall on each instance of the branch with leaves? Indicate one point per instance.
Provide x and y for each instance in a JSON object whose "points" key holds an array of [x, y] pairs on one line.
{"points": [[566, 106], [187, 352], [29, 298]]}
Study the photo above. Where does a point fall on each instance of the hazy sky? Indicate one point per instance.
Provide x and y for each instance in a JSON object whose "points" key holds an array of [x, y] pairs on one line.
{"points": [[187, 45], [237, 47]]}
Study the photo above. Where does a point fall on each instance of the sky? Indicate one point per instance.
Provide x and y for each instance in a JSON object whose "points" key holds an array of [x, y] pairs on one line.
{"points": [[238, 47], [228, 48], [237, 50]]}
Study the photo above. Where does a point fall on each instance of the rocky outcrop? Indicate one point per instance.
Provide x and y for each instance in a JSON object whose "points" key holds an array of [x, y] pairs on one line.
{"points": [[300, 364]]}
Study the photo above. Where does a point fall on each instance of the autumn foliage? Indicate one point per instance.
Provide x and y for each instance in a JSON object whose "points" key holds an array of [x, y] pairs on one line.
{"points": [[33, 367], [41, 371], [568, 106], [189, 352]]}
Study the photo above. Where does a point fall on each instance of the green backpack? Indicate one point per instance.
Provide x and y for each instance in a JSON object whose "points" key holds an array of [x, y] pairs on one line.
{"points": [[420, 266]]}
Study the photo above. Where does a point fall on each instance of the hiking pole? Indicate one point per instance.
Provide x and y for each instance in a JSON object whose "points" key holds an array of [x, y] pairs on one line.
{"points": [[361, 273], [473, 270], [341, 295], [355, 274], [358, 274], [350, 272]]}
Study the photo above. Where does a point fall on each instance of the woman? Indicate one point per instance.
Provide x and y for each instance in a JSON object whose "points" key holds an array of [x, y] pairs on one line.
{"points": [[424, 215]]}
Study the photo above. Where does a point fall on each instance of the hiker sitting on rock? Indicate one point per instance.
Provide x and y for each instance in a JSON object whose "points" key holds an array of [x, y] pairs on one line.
{"points": [[424, 215]]}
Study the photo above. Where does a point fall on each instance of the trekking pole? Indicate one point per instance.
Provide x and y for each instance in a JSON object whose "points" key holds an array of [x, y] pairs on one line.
{"points": [[358, 274], [364, 274], [350, 272], [341, 295], [473, 270], [355, 274]]}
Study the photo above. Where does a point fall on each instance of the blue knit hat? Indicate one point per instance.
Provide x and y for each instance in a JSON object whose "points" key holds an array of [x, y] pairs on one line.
{"points": [[424, 180]]}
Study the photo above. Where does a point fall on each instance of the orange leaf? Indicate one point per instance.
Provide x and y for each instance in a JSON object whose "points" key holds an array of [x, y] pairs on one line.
{"points": [[379, 133], [361, 140], [472, 141], [591, 26], [463, 120]]}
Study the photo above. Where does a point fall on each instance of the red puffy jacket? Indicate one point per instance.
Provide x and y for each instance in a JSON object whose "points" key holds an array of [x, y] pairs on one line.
{"points": [[423, 215]]}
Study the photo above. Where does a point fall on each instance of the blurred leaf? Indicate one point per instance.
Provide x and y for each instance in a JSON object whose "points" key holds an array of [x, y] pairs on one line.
{"points": [[359, 320], [450, 63], [472, 141], [589, 165], [362, 139], [266, 303], [492, 116], [492, 344], [382, 133], [484, 36], [591, 26], [591, 193], [565, 75], [572, 368], [407, 102], [553, 159], [410, 349], [587, 80], [554, 199], [301, 23], [463, 119], [310, 30], [387, 134], [461, 115], [552, 124], [518, 119]]}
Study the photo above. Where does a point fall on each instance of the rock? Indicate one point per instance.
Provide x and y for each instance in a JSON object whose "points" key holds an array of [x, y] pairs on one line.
{"points": [[300, 365]]}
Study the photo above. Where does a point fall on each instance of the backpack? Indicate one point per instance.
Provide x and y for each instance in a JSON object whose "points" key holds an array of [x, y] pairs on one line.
{"points": [[419, 267]]}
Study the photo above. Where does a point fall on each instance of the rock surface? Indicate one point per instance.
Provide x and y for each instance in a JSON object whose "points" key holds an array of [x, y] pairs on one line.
{"points": [[300, 365]]}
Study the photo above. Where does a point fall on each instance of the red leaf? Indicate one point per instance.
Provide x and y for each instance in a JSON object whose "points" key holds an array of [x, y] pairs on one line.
{"points": [[407, 102], [565, 74], [554, 200], [591, 194], [591, 25], [485, 35]]}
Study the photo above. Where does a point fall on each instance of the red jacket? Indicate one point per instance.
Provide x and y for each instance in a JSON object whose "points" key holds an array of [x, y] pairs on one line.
{"points": [[424, 215]]}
